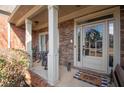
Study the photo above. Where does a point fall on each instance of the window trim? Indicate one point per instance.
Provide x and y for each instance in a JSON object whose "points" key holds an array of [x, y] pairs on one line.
{"points": [[41, 34]]}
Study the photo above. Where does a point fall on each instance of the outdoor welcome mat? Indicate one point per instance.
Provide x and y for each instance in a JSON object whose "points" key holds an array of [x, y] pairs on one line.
{"points": [[92, 78]]}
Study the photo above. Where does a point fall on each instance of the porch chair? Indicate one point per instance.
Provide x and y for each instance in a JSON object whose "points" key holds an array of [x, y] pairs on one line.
{"points": [[44, 59], [118, 76]]}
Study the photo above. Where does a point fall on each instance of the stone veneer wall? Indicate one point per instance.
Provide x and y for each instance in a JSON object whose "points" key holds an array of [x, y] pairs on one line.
{"points": [[66, 33], [122, 34]]}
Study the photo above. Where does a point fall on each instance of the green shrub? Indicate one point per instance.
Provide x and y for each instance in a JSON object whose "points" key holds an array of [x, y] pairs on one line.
{"points": [[13, 64]]}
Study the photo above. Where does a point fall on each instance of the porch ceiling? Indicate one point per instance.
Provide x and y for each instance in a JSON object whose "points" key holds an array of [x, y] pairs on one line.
{"points": [[41, 19], [39, 14], [19, 12]]}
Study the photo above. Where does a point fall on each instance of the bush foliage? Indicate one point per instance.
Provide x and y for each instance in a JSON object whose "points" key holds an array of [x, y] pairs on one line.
{"points": [[13, 64]]}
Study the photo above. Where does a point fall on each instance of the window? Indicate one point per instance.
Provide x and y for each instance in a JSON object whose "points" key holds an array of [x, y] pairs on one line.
{"points": [[43, 42], [111, 42]]}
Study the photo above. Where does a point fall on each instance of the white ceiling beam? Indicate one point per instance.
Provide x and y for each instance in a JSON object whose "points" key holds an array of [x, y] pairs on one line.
{"points": [[34, 11]]}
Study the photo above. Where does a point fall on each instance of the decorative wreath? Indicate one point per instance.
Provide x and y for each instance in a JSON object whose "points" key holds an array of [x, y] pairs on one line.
{"points": [[93, 35]]}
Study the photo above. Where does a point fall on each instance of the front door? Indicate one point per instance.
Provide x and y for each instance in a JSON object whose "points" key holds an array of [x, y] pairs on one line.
{"points": [[92, 46]]}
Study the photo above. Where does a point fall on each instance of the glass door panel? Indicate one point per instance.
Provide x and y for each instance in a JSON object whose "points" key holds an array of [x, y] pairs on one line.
{"points": [[93, 36], [79, 43], [95, 44]]}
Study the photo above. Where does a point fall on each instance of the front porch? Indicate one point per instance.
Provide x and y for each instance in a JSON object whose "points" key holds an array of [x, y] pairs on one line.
{"points": [[54, 29], [66, 77]]}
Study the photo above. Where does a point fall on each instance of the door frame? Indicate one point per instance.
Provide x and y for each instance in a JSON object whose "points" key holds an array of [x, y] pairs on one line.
{"points": [[104, 43], [116, 14]]}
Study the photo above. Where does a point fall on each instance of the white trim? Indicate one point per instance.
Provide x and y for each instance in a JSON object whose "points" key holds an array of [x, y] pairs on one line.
{"points": [[53, 63], [40, 34], [96, 22], [117, 37], [105, 46], [111, 21], [28, 38], [81, 48], [75, 45], [116, 12], [9, 35]]}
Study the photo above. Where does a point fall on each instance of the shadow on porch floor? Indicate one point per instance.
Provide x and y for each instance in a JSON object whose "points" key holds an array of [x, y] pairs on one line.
{"points": [[66, 78]]}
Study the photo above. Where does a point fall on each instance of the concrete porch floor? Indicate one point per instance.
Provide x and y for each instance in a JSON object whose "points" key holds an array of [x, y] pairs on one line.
{"points": [[66, 78]]}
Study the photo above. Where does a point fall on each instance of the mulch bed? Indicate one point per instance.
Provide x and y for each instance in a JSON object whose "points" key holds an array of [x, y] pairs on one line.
{"points": [[92, 78]]}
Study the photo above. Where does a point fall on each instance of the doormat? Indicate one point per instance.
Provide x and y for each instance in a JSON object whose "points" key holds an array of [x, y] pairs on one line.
{"points": [[92, 78]]}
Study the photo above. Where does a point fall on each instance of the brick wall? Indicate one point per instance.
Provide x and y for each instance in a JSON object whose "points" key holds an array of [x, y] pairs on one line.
{"points": [[66, 30], [3, 31], [122, 34], [66, 33], [17, 34], [35, 80], [34, 39], [17, 38]]}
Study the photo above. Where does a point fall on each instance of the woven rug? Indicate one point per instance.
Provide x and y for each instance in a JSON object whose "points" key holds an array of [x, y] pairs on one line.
{"points": [[92, 78]]}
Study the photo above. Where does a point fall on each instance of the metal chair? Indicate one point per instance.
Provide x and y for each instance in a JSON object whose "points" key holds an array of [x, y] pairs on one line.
{"points": [[44, 58]]}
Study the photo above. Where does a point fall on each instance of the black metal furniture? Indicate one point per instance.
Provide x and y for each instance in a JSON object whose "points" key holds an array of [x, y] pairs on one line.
{"points": [[40, 56], [44, 58]]}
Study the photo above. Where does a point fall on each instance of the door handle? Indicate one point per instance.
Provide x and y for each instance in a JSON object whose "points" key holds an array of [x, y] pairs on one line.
{"points": [[83, 48]]}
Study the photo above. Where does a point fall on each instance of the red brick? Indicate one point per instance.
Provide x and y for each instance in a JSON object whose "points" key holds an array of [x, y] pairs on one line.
{"points": [[17, 38], [3, 31], [37, 81]]}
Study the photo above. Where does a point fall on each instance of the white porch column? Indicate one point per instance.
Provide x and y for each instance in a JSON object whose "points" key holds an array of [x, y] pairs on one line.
{"points": [[9, 36], [28, 38], [53, 62]]}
